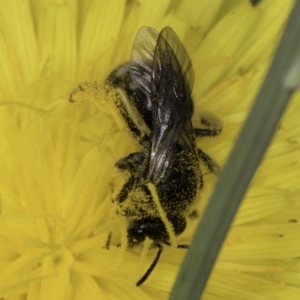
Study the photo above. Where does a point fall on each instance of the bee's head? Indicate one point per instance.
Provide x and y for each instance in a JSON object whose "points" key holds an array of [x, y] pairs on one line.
{"points": [[153, 228]]}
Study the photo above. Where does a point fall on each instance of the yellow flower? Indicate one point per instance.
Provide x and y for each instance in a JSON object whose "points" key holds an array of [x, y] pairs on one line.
{"points": [[57, 157]]}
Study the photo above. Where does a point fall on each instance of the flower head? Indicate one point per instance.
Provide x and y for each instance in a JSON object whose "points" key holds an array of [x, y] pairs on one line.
{"points": [[58, 157]]}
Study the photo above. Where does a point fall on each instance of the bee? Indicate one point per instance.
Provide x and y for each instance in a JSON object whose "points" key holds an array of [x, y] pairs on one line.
{"points": [[157, 108]]}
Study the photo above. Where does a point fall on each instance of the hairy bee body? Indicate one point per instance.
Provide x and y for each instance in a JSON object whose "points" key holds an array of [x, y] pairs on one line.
{"points": [[158, 82]]}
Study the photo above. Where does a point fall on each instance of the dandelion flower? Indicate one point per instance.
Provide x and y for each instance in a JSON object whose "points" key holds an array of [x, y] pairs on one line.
{"points": [[57, 157]]}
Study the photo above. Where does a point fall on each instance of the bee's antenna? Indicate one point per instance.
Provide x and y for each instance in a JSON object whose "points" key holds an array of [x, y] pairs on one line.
{"points": [[150, 269]]}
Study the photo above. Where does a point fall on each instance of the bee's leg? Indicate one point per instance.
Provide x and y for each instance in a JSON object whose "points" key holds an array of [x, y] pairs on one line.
{"points": [[183, 246], [209, 162], [133, 127], [194, 214], [201, 182], [107, 244], [122, 165], [126, 189], [85, 87], [206, 132], [152, 266], [129, 113], [127, 164], [213, 126], [118, 79], [77, 89]]}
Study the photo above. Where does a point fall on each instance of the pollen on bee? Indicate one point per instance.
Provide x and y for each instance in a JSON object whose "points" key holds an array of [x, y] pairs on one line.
{"points": [[163, 216], [101, 98]]}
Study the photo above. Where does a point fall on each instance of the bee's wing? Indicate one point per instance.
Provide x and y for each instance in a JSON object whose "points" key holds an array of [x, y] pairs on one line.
{"points": [[145, 71], [142, 55], [172, 80], [170, 51]]}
